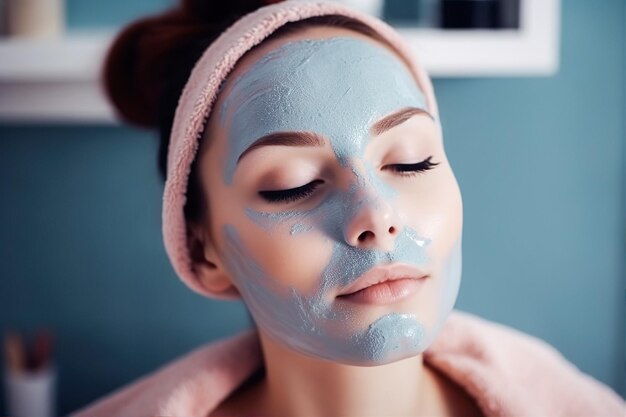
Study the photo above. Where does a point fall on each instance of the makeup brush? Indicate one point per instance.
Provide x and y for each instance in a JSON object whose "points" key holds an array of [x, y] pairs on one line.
{"points": [[14, 352]]}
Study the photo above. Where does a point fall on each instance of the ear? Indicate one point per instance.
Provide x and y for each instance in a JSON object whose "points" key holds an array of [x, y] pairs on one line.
{"points": [[206, 263]]}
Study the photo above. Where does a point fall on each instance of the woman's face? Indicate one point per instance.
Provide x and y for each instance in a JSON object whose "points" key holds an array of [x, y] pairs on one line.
{"points": [[320, 164]]}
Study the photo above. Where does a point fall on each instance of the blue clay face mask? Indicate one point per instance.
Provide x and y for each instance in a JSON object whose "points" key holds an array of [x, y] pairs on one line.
{"points": [[336, 88]]}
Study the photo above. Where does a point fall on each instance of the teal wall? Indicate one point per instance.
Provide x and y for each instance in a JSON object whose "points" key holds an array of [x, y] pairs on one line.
{"points": [[540, 162], [87, 14]]}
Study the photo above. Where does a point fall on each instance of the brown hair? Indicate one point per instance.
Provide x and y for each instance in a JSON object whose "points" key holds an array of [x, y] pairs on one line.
{"points": [[150, 60]]}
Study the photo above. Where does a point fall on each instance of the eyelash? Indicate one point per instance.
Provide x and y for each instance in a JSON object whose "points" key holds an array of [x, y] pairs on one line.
{"points": [[409, 170], [294, 194]]}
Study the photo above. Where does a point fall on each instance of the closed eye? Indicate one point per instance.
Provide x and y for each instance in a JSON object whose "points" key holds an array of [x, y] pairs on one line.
{"points": [[412, 169], [291, 194]]}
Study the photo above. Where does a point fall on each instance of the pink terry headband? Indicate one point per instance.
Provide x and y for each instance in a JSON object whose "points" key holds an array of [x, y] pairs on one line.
{"points": [[200, 93]]}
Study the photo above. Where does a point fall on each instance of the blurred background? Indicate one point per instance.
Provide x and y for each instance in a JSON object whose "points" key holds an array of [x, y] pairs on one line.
{"points": [[533, 109]]}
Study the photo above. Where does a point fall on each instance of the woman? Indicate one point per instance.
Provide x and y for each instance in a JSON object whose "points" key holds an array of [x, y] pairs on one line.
{"points": [[306, 174]]}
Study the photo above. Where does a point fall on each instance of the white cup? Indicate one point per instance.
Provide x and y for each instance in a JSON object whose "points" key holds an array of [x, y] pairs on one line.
{"points": [[31, 394]]}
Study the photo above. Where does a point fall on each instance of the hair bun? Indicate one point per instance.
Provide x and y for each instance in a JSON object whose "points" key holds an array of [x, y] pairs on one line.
{"points": [[154, 55]]}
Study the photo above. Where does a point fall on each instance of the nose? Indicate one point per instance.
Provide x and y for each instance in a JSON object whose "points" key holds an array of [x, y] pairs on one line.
{"points": [[374, 224]]}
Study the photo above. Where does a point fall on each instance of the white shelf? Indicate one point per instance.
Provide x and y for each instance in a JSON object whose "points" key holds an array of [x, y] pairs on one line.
{"points": [[58, 80], [54, 80]]}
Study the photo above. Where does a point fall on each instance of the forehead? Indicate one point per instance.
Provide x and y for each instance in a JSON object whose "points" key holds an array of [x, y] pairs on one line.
{"points": [[304, 33], [336, 87]]}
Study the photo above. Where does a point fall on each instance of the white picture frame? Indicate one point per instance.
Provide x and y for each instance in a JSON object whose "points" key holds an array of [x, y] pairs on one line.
{"points": [[531, 50]]}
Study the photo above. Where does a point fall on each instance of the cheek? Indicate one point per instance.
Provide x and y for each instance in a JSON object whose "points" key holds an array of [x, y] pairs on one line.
{"points": [[291, 261], [431, 204]]}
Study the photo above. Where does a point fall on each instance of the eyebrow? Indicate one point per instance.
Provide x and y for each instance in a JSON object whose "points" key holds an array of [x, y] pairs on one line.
{"points": [[312, 139], [285, 139], [397, 118]]}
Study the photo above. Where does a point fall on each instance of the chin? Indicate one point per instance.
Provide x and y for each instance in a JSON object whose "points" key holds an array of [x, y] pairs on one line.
{"points": [[390, 338]]}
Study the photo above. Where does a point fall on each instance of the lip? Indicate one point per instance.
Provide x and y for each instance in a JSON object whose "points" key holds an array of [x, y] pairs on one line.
{"points": [[384, 284]]}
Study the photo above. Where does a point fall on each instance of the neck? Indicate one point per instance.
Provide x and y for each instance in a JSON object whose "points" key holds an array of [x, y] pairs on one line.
{"points": [[300, 385]]}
